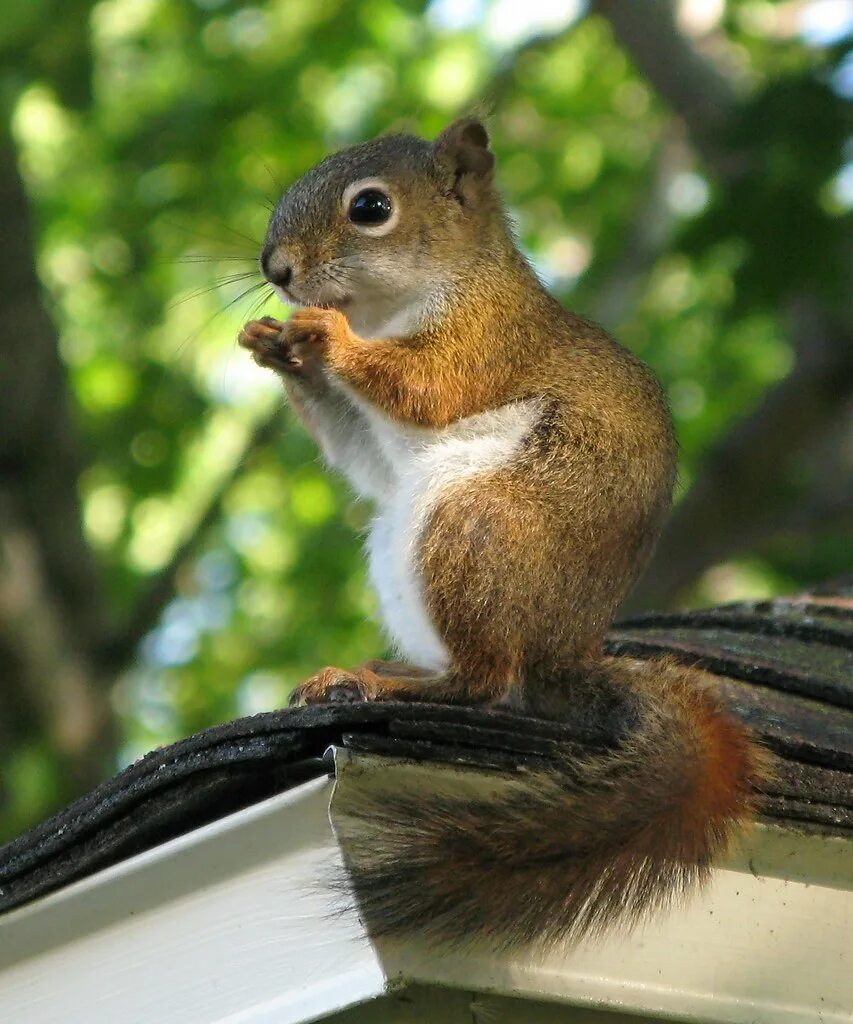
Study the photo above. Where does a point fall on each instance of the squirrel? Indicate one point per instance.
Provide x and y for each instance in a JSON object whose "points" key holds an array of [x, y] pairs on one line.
{"points": [[522, 463]]}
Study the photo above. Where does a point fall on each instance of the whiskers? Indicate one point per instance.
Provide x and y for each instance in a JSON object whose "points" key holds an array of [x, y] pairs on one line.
{"points": [[199, 257], [334, 280], [217, 285], [252, 290], [242, 285], [250, 246], [246, 290], [256, 296]]}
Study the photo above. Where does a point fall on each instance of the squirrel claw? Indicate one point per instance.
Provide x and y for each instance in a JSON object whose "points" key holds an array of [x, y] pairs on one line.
{"points": [[346, 693]]}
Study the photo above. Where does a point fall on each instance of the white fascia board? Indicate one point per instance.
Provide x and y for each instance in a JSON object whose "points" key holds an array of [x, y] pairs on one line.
{"points": [[235, 922], [774, 947], [231, 922]]}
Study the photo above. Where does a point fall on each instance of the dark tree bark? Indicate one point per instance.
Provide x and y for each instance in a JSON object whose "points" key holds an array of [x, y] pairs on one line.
{"points": [[52, 616], [61, 647]]}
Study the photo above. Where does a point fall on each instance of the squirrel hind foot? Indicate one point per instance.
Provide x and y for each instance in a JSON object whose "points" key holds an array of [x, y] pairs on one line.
{"points": [[330, 686], [365, 683], [377, 680]]}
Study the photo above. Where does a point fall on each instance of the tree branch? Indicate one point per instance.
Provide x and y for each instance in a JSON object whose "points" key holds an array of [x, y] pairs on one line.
{"points": [[747, 492], [691, 86], [616, 285]]}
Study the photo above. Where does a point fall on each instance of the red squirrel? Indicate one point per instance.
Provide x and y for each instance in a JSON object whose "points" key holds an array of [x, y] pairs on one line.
{"points": [[521, 463]]}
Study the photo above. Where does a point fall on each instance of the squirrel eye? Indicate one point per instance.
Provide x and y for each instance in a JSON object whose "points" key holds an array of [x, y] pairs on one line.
{"points": [[370, 207]]}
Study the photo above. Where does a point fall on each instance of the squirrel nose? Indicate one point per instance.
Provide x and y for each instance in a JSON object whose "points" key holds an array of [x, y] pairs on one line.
{"points": [[275, 268], [280, 276]]}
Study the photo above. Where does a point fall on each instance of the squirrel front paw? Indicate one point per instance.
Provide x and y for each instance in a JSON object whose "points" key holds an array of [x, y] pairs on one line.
{"points": [[263, 338], [297, 345]]}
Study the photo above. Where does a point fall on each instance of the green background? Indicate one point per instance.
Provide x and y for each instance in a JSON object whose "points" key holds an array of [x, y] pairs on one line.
{"points": [[173, 553]]}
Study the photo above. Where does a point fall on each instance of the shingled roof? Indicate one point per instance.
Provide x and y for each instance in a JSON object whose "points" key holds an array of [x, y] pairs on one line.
{"points": [[785, 666]]}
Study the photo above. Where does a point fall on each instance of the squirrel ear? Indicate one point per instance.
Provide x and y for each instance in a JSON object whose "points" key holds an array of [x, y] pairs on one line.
{"points": [[463, 150]]}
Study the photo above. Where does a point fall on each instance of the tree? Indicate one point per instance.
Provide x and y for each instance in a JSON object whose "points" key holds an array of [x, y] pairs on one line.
{"points": [[172, 552]]}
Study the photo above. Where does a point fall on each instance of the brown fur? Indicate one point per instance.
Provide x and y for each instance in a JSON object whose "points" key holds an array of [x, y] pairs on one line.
{"points": [[522, 567]]}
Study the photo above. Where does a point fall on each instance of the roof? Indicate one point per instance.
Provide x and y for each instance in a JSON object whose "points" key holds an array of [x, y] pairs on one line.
{"points": [[231, 825], [785, 666]]}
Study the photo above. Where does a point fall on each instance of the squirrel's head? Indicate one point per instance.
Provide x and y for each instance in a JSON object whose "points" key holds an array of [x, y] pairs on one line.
{"points": [[383, 229]]}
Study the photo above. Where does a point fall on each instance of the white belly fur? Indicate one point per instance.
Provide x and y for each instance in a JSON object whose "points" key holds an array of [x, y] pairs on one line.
{"points": [[424, 463]]}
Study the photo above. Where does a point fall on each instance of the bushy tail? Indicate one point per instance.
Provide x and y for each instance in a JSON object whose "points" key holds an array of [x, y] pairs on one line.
{"points": [[604, 839]]}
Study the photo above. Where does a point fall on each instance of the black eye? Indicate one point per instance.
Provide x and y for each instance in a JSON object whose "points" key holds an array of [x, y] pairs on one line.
{"points": [[372, 206]]}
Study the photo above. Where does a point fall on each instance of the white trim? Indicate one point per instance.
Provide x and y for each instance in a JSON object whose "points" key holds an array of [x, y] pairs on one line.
{"points": [[228, 923], [235, 924]]}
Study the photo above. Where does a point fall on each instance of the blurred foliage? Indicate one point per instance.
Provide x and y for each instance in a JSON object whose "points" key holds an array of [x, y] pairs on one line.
{"points": [[153, 136]]}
